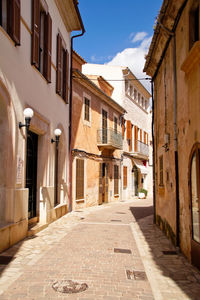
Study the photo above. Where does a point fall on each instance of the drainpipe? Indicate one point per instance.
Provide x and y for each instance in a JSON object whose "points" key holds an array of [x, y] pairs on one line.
{"points": [[153, 140], [70, 104]]}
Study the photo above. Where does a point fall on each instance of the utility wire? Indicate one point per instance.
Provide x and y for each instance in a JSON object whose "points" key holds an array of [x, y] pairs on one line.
{"points": [[91, 79]]}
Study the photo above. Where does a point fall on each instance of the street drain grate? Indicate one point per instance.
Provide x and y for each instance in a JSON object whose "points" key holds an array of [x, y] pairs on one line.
{"points": [[118, 250], [120, 213], [115, 220], [169, 252], [5, 260], [136, 275], [69, 286]]}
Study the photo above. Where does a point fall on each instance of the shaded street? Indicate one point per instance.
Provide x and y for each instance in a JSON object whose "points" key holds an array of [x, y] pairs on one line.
{"points": [[114, 249]]}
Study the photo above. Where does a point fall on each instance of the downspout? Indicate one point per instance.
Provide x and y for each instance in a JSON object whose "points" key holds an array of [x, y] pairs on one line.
{"points": [[70, 105], [153, 140]]}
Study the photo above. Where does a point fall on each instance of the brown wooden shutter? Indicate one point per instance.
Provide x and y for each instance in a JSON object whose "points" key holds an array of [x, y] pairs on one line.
{"points": [[147, 139], [144, 137], [35, 32], [14, 20], [135, 138], [79, 179], [123, 127], [100, 183], [131, 140], [128, 128], [125, 177], [59, 65], [65, 76], [47, 47]]}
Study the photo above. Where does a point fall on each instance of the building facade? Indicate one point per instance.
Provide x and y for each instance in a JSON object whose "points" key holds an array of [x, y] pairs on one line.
{"points": [[173, 62], [96, 140], [35, 38], [136, 127]]}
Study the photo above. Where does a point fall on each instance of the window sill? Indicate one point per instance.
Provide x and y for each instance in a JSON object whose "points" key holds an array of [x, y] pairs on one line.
{"points": [[192, 59]]}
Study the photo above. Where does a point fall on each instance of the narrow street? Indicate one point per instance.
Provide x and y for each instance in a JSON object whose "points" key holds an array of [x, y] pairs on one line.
{"points": [[113, 250]]}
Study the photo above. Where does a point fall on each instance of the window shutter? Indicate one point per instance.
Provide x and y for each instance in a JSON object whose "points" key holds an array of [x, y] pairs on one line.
{"points": [[123, 127], [147, 139], [59, 65], [65, 76], [128, 126], [135, 138], [14, 20], [35, 32], [125, 177], [47, 47], [79, 179]]}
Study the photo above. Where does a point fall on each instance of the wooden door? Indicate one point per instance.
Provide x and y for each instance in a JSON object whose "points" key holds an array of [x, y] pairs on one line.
{"points": [[31, 172]]}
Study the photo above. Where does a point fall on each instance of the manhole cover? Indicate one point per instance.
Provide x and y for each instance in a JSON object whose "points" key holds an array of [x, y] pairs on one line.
{"points": [[5, 260], [136, 275], [118, 250], [69, 286], [169, 252]]}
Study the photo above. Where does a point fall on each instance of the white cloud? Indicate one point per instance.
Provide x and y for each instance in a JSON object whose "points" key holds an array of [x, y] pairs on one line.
{"points": [[133, 58], [100, 59], [139, 36]]}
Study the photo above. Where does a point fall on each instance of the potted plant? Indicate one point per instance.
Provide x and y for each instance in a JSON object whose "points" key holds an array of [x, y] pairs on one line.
{"points": [[142, 193]]}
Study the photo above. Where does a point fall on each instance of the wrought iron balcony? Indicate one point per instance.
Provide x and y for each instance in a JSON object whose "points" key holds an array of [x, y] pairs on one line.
{"points": [[142, 148], [109, 138]]}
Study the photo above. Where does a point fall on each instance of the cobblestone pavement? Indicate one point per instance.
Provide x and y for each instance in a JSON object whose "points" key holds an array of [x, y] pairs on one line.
{"points": [[113, 248]]}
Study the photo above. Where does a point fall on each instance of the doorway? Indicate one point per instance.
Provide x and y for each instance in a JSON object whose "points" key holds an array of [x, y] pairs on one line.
{"points": [[31, 172], [195, 203], [103, 183], [135, 171]]}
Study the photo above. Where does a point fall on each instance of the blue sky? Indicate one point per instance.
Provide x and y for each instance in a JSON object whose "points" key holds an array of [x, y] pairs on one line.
{"points": [[111, 25], [118, 32]]}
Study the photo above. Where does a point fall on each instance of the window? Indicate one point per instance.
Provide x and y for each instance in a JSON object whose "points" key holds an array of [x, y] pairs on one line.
{"points": [[116, 180], [41, 39], [142, 102], [123, 127], [161, 170], [135, 138], [126, 85], [115, 124], [146, 104], [135, 94], [125, 177], [10, 18], [86, 109], [62, 69], [194, 24], [129, 134], [104, 126], [138, 98], [131, 90], [79, 179]]}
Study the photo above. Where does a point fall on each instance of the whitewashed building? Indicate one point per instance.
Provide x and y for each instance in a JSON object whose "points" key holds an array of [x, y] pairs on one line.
{"points": [[136, 126], [35, 39]]}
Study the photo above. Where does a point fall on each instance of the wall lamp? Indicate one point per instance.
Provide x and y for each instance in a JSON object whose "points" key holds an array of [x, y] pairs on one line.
{"points": [[57, 133], [28, 114]]}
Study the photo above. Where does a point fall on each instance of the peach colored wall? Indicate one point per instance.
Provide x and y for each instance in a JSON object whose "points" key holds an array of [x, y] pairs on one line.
{"points": [[84, 137], [188, 124]]}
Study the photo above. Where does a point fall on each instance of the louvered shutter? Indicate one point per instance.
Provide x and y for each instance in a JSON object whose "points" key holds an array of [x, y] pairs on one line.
{"points": [[47, 47], [79, 179], [130, 141], [35, 32], [65, 76], [123, 127], [128, 128], [100, 183], [147, 139], [14, 20], [59, 65], [125, 177], [135, 138]]}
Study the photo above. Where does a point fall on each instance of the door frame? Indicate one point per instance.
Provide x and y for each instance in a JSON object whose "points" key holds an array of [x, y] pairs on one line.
{"points": [[195, 246]]}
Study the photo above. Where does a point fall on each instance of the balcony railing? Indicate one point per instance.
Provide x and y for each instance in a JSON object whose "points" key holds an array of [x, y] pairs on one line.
{"points": [[142, 148], [109, 138]]}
